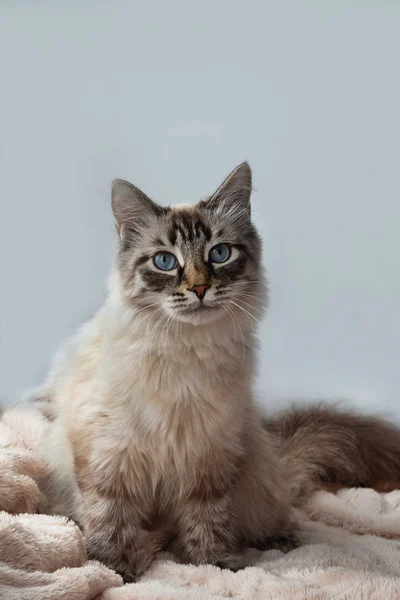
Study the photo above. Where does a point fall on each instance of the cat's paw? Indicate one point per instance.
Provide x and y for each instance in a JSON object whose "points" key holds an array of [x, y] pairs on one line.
{"points": [[126, 574], [128, 561], [123, 569], [233, 562], [123, 563], [285, 542]]}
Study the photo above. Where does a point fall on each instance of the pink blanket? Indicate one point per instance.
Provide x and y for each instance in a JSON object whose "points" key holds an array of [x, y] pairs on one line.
{"points": [[351, 545]]}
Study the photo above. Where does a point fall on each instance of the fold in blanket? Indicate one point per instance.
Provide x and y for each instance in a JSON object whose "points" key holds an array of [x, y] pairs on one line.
{"points": [[19, 468], [350, 545], [41, 557]]}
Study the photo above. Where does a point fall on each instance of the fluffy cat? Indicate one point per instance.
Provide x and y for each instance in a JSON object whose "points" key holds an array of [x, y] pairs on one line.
{"points": [[156, 433], [155, 436]]}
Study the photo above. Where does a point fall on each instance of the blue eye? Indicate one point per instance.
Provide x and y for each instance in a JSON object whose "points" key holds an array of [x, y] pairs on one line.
{"points": [[220, 253], [165, 261]]}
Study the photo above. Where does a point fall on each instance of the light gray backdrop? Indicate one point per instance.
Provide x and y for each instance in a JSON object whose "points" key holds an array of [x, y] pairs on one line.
{"points": [[172, 95]]}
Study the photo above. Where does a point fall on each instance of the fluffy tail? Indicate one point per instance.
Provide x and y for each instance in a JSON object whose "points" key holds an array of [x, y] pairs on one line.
{"points": [[322, 447]]}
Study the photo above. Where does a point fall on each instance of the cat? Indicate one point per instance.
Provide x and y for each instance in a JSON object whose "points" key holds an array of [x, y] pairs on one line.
{"points": [[155, 438]]}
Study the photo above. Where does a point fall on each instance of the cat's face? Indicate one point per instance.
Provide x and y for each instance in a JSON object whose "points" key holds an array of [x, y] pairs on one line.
{"points": [[194, 263]]}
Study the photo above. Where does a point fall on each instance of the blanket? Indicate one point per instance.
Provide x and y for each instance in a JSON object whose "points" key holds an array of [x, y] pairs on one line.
{"points": [[350, 545]]}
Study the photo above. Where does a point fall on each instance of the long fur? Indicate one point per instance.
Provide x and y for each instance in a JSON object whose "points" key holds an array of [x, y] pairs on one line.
{"points": [[156, 439], [328, 447]]}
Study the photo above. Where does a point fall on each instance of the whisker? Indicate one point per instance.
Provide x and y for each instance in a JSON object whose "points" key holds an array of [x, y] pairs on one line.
{"points": [[251, 294], [165, 328], [246, 282], [150, 338], [245, 311], [259, 300], [172, 322], [233, 315], [147, 317], [225, 307], [248, 304], [235, 290], [145, 308], [231, 288], [153, 312]]}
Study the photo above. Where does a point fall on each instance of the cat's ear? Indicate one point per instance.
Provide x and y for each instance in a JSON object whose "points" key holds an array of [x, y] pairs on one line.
{"points": [[131, 207], [234, 193]]}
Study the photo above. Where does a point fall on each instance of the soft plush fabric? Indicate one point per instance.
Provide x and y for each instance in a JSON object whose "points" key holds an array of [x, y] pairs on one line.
{"points": [[350, 545], [41, 557]]}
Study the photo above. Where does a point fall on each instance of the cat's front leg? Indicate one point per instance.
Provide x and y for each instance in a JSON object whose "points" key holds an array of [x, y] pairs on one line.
{"points": [[114, 537], [207, 533], [117, 499]]}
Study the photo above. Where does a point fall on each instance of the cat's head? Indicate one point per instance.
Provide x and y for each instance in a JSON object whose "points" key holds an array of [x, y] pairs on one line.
{"points": [[196, 263]]}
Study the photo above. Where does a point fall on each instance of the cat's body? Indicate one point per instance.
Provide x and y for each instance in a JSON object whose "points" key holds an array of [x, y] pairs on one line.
{"points": [[155, 436], [161, 428]]}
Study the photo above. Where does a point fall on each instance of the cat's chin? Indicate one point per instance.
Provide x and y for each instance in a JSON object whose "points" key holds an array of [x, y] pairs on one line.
{"points": [[200, 316]]}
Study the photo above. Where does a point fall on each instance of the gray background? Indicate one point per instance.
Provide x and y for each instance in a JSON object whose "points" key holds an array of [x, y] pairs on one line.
{"points": [[172, 95]]}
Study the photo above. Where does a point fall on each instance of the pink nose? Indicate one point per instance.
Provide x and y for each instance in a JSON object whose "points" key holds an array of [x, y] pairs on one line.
{"points": [[200, 290]]}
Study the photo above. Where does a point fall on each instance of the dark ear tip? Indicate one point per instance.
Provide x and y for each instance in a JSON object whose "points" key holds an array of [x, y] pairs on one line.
{"points": [[244, 170], [121, 188], [245, 166], [116, 183]]}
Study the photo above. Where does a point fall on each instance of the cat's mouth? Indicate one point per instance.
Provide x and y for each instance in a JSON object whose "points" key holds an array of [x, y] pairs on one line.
{"points": [[196, 309], [199, 314]]}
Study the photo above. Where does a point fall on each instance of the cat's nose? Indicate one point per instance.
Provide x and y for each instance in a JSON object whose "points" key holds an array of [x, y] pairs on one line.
{"points": [[200, 290]]}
